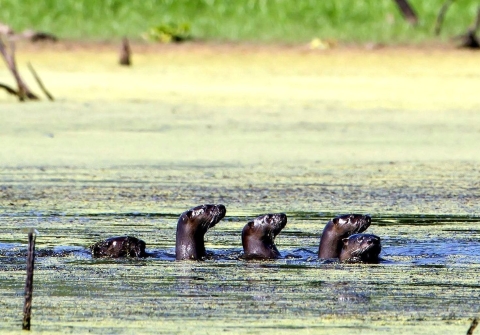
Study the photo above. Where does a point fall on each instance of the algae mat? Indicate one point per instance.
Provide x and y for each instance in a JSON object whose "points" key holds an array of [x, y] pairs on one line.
{"points": [[393, 133]]}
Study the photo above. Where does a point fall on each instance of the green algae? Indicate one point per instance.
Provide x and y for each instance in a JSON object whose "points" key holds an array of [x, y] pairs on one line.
{"points": [[92, 166], [427, 283]]}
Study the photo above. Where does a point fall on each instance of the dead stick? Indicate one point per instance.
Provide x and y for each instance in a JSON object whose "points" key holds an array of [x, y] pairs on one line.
{"points": [[23, 90], [125, 53], [39, 82], [16, 74], [27, 307], [407, 11], [472, 326], [6, 58], [9, 89], [441, 16]]}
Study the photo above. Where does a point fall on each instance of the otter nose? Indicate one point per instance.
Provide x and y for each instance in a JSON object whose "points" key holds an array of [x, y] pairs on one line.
{"points": [[222, 209]]}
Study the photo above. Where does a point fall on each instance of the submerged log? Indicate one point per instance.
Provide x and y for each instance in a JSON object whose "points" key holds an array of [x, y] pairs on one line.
{"points": [[28, 34], [38, 36]]}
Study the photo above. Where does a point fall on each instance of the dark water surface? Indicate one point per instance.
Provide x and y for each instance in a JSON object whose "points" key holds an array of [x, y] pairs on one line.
{"points": [[428, 220]]}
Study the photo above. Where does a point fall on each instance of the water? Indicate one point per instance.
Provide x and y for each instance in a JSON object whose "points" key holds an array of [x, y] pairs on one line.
{"points": [[429, 271], [392, 133]]}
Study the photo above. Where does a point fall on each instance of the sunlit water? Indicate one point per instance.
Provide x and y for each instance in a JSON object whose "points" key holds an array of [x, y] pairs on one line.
{"points": [[392, 133], [429, 269]]}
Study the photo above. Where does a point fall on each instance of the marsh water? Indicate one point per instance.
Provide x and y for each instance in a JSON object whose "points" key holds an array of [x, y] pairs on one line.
{"points": [[81, 171]]}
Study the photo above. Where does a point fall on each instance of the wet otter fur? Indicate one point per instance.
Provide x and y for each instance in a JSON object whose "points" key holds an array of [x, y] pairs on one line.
{"points": [[361, 248], [191, 228], [120, 246], [339, 228], [258, 236]]}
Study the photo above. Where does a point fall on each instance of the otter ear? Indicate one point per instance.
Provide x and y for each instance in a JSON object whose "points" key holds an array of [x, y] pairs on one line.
{"points": [[189, 214], [251, 223], [345, 241], [335, 221]]}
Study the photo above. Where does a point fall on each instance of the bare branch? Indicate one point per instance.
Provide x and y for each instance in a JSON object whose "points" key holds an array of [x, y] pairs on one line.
{"points": [[407, 11], [40, 83], [441, 16], [23, 90], [9, 89]]}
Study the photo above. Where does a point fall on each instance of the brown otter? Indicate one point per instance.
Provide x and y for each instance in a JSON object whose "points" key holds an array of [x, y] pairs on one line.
{"points": [[259, 234], [361, 248], [191, 228], [121, 246], [338, 229]]}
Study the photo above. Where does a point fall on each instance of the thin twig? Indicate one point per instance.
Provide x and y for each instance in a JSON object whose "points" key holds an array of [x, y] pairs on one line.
{"points": [[39, 82], [16, 74], [9, 89], [27, 307], [441, 16]]}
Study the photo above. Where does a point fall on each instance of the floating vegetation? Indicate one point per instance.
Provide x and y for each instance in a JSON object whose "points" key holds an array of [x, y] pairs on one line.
{"points": [[168, 33], [428, 273]]}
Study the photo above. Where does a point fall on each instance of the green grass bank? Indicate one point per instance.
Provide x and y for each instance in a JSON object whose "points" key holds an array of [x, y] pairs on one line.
{"points": [[270, 21]]}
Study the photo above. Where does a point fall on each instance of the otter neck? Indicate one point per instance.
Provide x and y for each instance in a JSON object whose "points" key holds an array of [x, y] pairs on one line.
{"points": [[258, 248], [190, 244], [330, 244]]}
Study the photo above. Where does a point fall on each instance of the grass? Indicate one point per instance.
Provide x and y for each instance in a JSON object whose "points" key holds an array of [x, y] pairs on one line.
{"points": [[242, 20]]}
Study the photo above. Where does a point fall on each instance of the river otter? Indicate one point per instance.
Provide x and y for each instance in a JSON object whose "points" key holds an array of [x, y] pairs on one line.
{"points": [[121, 246], [361, 248], [339, 228], [259, 234], [191, 228]]}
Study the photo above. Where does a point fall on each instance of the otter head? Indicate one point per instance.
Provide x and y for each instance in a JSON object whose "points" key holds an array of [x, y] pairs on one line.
{"points": [[191, 228], [338, 228], [121, 246], [258, 236], [361, 248], [351, 224]]}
